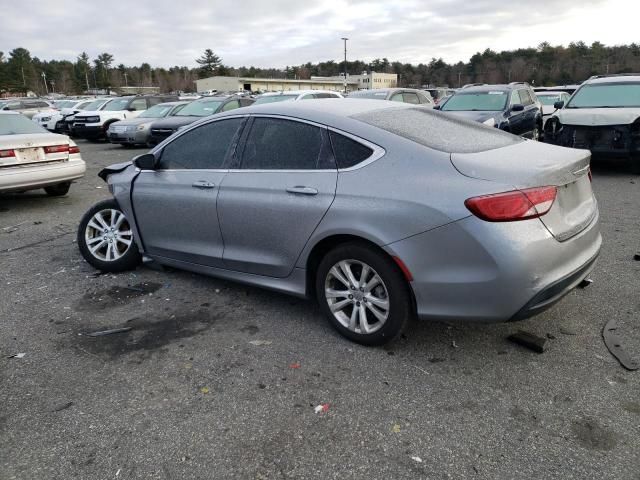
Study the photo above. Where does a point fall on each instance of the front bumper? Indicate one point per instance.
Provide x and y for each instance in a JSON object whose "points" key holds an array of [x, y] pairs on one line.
{"points": [[129, 137], [159, 136], [494, 272], [607, 140], [30, 177], [88, 130]]}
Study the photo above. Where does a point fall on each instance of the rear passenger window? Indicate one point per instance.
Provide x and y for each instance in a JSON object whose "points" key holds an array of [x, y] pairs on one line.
{"points": [[348, 152], [397, 98], [275, 144], [410, 97], [204, 147], [139, 104], [231, 105], [525, 99]]}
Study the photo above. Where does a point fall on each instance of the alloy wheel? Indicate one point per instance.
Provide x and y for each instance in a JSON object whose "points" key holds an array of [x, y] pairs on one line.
{"points": [[357, 296], [108, 235]]}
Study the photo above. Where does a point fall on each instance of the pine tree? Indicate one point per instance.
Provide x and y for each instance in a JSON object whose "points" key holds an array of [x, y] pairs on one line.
{"points": [[209, 63]]}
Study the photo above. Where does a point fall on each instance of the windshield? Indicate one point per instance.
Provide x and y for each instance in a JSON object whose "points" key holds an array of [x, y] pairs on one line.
{"points": [[157, 111], [490, 101], [117, 104], [606, 95], [95, 105], [18, 124], [274, 98], [200, 108], [548, 99], [371, 94], [65, 104]]}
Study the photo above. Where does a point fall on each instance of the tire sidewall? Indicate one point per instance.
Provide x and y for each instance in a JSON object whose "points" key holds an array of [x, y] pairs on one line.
{"points": [[127, 262], [396, 284]]}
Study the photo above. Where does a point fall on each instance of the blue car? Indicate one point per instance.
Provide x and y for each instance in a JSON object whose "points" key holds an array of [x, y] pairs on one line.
{"points": [[513, 108]]}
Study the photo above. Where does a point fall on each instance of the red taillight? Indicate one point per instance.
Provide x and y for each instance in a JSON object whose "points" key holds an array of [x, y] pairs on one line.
{"points": [[513, 206], [7, 153], [57, 149], [74, 149]]}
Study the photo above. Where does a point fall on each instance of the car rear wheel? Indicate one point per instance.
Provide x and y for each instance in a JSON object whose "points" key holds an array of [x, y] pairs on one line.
{"points": [[363, 293], [58, 190], [105, 238]]}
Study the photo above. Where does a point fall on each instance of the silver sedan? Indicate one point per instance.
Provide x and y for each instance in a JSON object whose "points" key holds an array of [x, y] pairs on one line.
{"points": [[381, 211]]}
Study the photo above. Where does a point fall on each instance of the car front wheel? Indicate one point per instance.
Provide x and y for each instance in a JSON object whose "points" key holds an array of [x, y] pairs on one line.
{"points": [[105, 238], [58, 190], [363, 293]]}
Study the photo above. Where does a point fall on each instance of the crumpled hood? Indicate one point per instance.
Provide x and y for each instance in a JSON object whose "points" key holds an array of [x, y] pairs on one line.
{"points": [[548, 109], [598, 116], [481, 116], [174, 122]]}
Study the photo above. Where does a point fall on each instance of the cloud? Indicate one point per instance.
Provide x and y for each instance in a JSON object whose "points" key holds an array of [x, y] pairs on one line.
{"points": [[291, 32]]}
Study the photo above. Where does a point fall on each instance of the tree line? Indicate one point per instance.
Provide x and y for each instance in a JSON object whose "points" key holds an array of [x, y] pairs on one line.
{"points": [[544, 65]]}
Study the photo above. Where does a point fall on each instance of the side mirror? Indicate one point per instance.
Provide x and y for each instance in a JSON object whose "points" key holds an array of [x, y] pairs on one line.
{"points": [[518, 107], [437, 107], [146, 161], [131, 109], [558, 105]]}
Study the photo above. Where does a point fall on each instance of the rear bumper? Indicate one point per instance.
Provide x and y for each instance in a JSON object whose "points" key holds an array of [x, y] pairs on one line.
{"points": [[128, 138], [473, 270], [38, 176]]}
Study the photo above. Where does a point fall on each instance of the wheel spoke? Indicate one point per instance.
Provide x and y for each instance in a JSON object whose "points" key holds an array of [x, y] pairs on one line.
{"points": [[94, 225], [378, 302], [379, 315], [336, 307], [114, 250], [331, 293], [364, 324], [372, 283], [91, 241], [363, 276], [339, 276], [126, 233], [98, 216], [109, 253], [95, 248], [353, 319], [346, 268], [126, 241], [120, 218]]}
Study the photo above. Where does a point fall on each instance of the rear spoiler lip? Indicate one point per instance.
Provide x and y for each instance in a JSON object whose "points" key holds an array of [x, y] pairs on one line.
{"points": [[111, 169]]}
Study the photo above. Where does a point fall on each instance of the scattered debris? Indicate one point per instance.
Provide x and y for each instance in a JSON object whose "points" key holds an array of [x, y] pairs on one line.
{"points": [[395, 428], [13, 226], [416, 459], [17, 355], [612, 341], [204, 390], [454, 344], [585, 283], [529, 340], [62, 406], [550, 336], [322, 408], [567, 331], [111, 331], [295, 365], [421, 369], [259, 343], [118, 472], [636, 257]]}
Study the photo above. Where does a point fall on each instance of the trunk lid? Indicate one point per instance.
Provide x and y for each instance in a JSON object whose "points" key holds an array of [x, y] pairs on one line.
{"points": [[29, 148], [532, 164]]}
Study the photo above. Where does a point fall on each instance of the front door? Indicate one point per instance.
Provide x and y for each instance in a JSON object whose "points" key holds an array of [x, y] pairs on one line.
{"points": [[175, 205], [270, 205]]}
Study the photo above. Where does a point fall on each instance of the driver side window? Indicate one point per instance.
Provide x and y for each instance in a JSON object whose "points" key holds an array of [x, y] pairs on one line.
{"points": [[203, 148]]}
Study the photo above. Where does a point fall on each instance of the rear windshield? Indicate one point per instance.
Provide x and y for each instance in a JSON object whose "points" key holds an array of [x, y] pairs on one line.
{"points": [[437, 130], [18, 124], [274, 99], [201, 108], [490, 101]]}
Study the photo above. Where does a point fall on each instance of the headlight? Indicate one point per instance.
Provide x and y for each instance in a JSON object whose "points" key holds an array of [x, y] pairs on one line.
{"points": [[45, 119], [490, 122], [92, 119]]}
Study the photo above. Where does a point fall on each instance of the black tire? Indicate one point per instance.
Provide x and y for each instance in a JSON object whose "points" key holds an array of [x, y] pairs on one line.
{"points": [[58, 190], [130, 257], [634, 164], [397, 289]]}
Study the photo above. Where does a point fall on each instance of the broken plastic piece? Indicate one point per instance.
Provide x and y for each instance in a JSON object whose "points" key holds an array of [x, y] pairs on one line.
{"points": [[17, 355], [529, 340], [416, 459], [294, 365], [259, 343], [612, 341], [111, 331], [323, 407]]}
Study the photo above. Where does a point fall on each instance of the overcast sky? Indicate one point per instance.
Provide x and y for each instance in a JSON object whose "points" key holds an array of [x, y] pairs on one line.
{"points": [[276, 33]]}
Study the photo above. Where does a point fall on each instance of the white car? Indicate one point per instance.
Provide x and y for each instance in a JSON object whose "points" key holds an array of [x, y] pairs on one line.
{"points": [[32, 158], [295, 95], [50, 120], [94, 125], [549, 98]]}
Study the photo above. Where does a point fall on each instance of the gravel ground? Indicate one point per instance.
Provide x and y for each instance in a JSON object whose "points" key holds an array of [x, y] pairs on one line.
{"points": [[219, 380]]}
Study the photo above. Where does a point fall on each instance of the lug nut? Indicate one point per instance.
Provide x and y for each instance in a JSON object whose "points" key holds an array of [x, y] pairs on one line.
{"points": [[350, 297], [357, 304]]}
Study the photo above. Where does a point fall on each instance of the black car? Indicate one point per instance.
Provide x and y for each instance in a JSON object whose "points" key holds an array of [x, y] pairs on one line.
{"points": [[513, 108], [203, 107]]}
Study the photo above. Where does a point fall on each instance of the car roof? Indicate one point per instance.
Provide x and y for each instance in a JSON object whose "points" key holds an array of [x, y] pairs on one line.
{"points": [[492, 88], [181, 102], [295, 92], [549, 92], [5, 112], [622, 78]]}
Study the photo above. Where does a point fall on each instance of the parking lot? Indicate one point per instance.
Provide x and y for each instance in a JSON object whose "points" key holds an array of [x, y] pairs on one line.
{"points": [[219, 380]]}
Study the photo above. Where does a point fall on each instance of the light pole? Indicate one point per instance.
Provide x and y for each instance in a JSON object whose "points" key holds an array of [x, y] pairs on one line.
{"points": [[345, 63], [44, 78]]}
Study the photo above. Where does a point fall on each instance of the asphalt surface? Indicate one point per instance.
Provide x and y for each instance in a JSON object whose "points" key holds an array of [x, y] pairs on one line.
{"points": [[185, 394]]}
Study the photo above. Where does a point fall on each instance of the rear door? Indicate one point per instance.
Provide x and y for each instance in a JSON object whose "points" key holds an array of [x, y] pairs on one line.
{"points": [[516, 119], [175, 205], [270, 204], [530, 113]]}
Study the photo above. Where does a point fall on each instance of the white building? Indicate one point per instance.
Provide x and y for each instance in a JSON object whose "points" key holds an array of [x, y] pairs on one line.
{"points": [[368, 80], [235, 84]]}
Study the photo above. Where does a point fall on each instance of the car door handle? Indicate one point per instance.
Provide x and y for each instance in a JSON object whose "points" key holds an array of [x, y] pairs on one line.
{"points": [[203, 184], [302, 190]]}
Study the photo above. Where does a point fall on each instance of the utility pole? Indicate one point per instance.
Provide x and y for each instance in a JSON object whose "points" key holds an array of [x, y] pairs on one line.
{"points": [[86, 78], [44, 78], [125, 79], [53, 86], [345, 63], [459, 74]]}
